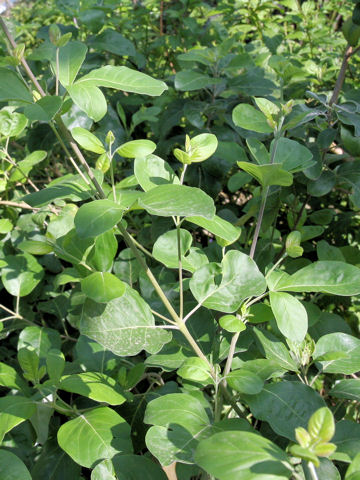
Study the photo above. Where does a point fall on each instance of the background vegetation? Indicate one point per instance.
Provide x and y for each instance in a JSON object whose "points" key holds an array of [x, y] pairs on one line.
{"points": [[179, 240]]}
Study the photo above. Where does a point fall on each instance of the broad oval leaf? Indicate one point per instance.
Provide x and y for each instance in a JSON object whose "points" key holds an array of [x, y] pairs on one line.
{"points": [[292, 156], [269, 174], [242, 455], [338, 353], [127, 467], [13, 88], [321, 425], [285, 406], [247, 117], [71, 57], [123, 78], [202, 147], [151, 171], [136, 148], [347, 388], [69, 186], [87, 140], [102, 431], [102, 287], [335, 278], [13, 411], [94, 385], [97, 217], [165, 250], [44, 109], [245, 381], [89, 99], [221, 228], [177, 200], [179, 420], [290, 315], [241, 279], [188, 80], [125, 325], [10, 378], [12, 468], [21, 274]]}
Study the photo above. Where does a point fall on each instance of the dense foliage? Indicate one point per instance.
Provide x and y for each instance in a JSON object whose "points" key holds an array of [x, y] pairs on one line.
{"points": [[179, 240]]}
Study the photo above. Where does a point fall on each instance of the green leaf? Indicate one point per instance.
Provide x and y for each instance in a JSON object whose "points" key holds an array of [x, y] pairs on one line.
{"points": [[232, 324], [293, 248], [179, 420], [102, 255], [5, 226], [292, 156], [12, 87], [44, 109], [151, 171], [258, 151], [195, 369], [11, 123], [290, 315], [126, 467], [36, 247], [70, 186], [125, 325], [245, 455], [112, 41], [41, 339], [136, 148], [247, 117], [102, 287], [321, 425], [165, 251], [29, 362], [188, 80], [71, 57], [269, 109], [241, 279], [103, 432], [21, 274], [334, 278], [223, 229], [275, 350], [94, 385], [346, 345], [13, 411], [266, 175], [55, 364], [89, 99], [10, 378], [348, 388], [126, 266], [12, 468], [87, 140], [97, 217], [123, 78], [245, 381], [285, 406], [54, 464], [177, 200], [24, 167], [202, 147]]}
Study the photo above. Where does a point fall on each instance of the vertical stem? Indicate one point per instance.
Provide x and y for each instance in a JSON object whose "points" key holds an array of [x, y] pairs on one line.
{"points": [[259, 222], [57, 72], [181, 314], [112, 179], [313, 471], [341, 77]]}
